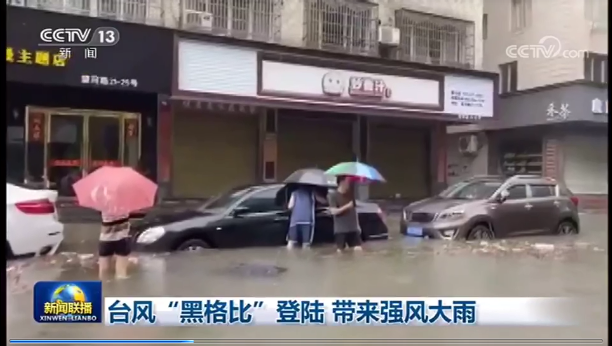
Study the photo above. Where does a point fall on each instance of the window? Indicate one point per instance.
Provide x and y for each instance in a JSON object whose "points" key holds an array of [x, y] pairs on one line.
{"points": [[517, 192], [520, 14], [540, 191], [596, 11], [485, 26], [129, 10], [508, 77], [471, 190], [226, 200], [263, 201], [596, 68], [349, 26], [435, 40]]}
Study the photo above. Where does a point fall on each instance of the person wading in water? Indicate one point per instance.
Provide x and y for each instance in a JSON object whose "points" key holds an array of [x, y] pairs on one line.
{"points": [[301, 225], [343, 207]]}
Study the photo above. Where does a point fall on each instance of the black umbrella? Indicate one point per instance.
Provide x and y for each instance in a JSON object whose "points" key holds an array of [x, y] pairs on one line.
{"points": [[311, 176]]}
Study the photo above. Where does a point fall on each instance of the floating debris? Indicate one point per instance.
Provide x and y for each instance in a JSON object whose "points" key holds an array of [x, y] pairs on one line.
{"points": [[517, 248], [257, 270]]}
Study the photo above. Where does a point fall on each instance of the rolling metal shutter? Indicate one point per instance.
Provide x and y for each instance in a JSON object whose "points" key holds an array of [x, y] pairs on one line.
{"points": [[400, 155], [219, 69], [307, 143], [586, 164], [213, 152]]}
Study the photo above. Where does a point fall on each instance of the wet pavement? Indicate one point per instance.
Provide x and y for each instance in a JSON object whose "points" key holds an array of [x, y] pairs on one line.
{"points": [[547, 266]]}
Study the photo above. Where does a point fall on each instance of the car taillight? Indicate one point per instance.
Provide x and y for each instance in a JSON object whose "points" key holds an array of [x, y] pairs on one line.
{"points": [[37, 207], [381, 214], [574, 200]]}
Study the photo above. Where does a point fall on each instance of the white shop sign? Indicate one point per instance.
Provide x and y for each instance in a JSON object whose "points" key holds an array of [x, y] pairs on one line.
{"points": [[294, 80], [469, 98]]}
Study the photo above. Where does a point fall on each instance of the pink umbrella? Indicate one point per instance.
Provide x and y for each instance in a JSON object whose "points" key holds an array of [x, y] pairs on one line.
{"points": [[115, 191]]}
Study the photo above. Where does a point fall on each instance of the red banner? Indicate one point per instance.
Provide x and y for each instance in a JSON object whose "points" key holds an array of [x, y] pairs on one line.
{"points": [[65, 163], [100, 163]]}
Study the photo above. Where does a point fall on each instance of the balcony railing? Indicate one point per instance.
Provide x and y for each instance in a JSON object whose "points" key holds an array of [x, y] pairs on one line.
{"points": [[435, 40], [341, 25], [248, 19]]}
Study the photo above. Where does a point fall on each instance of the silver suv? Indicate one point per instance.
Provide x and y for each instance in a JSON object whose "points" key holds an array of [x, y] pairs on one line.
{"points": [[486, 207]]}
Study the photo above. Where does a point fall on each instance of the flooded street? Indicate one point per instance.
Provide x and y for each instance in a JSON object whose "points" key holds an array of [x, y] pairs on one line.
{"points": [[574, 267]]}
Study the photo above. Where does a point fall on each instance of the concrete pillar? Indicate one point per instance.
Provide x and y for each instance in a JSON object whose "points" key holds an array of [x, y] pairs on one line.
{"points": [[360, 150], [268, 145], [438, 158], [164, 146]]}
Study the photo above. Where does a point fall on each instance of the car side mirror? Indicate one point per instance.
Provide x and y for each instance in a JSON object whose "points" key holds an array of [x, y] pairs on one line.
{"points": [[503, 196], [239, 211]]}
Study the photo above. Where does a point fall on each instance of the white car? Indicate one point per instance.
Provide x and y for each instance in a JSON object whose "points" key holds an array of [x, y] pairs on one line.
{"points": [[32, 225]]}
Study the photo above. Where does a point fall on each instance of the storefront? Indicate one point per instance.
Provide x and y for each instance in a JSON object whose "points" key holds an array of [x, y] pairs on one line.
{"points": [[559, 132], [71, 110], [313, 112]]}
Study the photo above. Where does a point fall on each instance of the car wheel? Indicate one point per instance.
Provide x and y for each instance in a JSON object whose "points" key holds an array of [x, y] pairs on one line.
{"points": [[567, 228], [193, 245], [481, 232]]}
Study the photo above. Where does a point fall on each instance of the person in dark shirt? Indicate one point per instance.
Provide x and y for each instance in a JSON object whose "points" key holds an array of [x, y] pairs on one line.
{"points": [[343, 207]]}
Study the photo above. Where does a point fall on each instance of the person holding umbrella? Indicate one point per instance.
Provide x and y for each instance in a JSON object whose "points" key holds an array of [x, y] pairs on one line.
{"points": [[302, 204], [114, 243], [303, 186], [343, 205], [115, 192]]}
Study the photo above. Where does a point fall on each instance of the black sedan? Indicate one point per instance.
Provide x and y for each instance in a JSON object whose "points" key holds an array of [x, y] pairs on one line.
{"points": [[242, 217]]}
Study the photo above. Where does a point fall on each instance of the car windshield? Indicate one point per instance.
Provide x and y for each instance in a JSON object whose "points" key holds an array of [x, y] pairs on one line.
{"points": [[227, 199], [471, 190]]}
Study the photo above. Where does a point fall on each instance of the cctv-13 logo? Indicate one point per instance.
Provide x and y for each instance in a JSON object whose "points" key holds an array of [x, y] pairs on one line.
{"points": [[37, 57]]}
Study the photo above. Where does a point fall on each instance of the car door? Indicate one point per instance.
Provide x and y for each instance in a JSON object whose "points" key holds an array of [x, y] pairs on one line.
{"points": [[546, 208], [512, 216], [261, 222], [324, 226]]}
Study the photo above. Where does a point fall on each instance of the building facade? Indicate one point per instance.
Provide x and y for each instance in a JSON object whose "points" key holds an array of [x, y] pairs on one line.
{"points": [[553, 108], [433, 31], [71, 110], [306, 83], [259, 112]]}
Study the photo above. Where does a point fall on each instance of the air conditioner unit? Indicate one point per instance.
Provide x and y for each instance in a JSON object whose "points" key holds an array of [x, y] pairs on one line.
{"points": [[197, 20], [388, 35], [468, 144]]}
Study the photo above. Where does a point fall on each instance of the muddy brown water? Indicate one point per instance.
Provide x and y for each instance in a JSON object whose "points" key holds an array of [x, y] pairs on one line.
{"points": [[574, 267]]}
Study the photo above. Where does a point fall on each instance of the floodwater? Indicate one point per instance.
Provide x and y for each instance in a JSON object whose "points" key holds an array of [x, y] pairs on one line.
{"points": [[573, 267]]}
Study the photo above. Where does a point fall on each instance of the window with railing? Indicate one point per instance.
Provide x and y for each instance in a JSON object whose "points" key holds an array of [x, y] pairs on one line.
{"points": [[435, 40], [520, 14], [127, 10], [124, 10], [347, 26], [596, 11], [249, 19]]}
